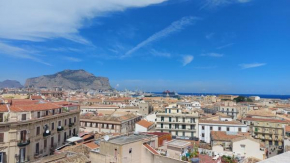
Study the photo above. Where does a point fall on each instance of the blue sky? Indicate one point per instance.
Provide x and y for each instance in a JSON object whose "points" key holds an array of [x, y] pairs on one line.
{"points": [[214, 46]]}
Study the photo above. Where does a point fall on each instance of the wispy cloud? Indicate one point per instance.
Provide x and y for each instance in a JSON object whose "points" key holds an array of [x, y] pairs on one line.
{"points": [[186, 59], [209, 36], [217, 3], [174, 27], [225, 46], [212, 55], [16, 52], [251, 65], [55, 19], [159, 54], [72, 59], [206, 67]]}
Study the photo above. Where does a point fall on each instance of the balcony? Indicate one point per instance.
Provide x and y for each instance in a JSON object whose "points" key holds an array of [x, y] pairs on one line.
{"points": [[47, 133], [23, 143], [71, 124], [59, 128]]}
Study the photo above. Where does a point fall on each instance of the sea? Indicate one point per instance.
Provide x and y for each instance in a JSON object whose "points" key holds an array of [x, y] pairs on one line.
{"points": [[284, 97]]}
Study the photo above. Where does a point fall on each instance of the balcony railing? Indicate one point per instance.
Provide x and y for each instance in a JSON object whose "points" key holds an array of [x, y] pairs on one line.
{"points": [[23, 143], [71, 124], [46, 134], [59, 128]]}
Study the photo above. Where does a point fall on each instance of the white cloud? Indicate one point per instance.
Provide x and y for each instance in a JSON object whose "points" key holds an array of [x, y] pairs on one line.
{"points": [[16, 52], [173, 27], [209, 36], [186, 59], [72, 59], [212, 55], [225, 46], [251, 65], [217, 3], [159, 54], [38, 20]]}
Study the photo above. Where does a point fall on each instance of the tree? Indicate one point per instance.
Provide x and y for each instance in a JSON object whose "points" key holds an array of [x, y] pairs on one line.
{"points": [[242, 99]]}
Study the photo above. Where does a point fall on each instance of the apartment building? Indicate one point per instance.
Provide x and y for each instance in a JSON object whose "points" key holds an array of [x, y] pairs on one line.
{"points": [[229, 108], [145, 108], [206, 126], [113, 123], [29, 132], [181, 123], [270, 131]]}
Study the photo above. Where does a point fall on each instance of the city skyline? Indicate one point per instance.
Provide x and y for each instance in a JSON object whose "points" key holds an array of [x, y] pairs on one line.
{"points": [[219, 46]]}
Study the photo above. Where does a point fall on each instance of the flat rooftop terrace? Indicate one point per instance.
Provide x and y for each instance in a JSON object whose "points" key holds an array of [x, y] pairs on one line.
{"points": [[124, 139]]}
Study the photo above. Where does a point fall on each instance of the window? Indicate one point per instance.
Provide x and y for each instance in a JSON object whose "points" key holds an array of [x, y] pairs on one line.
{"points": [[69, 120], [183, 119], [202, 127], [183, 126], [58, 138], [103, 125], [228, 129], [23, 117], [169, 119], [51, 141], [162, 118], [202, 135], [220, 128], [1, 137], [38, 130], [240, 129], [46, 112], [176, 133], [37, 148], [52, 126], [45, 143], [210, 128], [38, 116], [75, 119], [169, 126], [176, 119], [65, 122], [69, 132], [161, 125], [243, 146], [59, 123], [23, 135], [112, 126]]}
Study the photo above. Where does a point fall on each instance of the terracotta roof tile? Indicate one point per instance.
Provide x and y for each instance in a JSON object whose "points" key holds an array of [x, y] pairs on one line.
{"points": [[34, 107], [287, 128], [152, 150], [91, 145], [145, 123], [3, 108], [222, 136]]}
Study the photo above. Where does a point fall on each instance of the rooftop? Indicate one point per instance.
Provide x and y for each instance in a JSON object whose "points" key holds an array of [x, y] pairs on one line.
{"points": [[221, 122], [178, 143], [126, 139], [145, 123], [284, 157], [266, 120]]}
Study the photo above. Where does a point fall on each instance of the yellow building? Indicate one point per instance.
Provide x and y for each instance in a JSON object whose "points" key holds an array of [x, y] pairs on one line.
{"points": [[270, 131], [30, 131]]}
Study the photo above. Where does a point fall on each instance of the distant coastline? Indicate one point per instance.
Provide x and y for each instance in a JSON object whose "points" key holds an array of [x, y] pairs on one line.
{"points": [[247, 95]]}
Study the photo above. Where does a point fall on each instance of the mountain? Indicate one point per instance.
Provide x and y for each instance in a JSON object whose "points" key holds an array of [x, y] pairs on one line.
{"points": [[10, 84], [70, 79]]}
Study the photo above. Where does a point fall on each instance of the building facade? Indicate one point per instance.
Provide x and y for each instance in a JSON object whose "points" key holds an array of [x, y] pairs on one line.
{"points": [[181, 123], [206, 126], [30, 132]]}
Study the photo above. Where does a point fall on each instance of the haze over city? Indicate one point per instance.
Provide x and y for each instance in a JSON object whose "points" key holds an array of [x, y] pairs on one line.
{"points": [[212, 46]]}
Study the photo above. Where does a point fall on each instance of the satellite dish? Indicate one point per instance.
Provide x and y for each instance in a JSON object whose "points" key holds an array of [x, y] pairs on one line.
{"points": [[106, 137]]}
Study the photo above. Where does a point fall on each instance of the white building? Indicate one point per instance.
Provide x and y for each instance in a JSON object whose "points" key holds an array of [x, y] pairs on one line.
{"points": [[144, 126], [181, 123], [206, 126]]}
